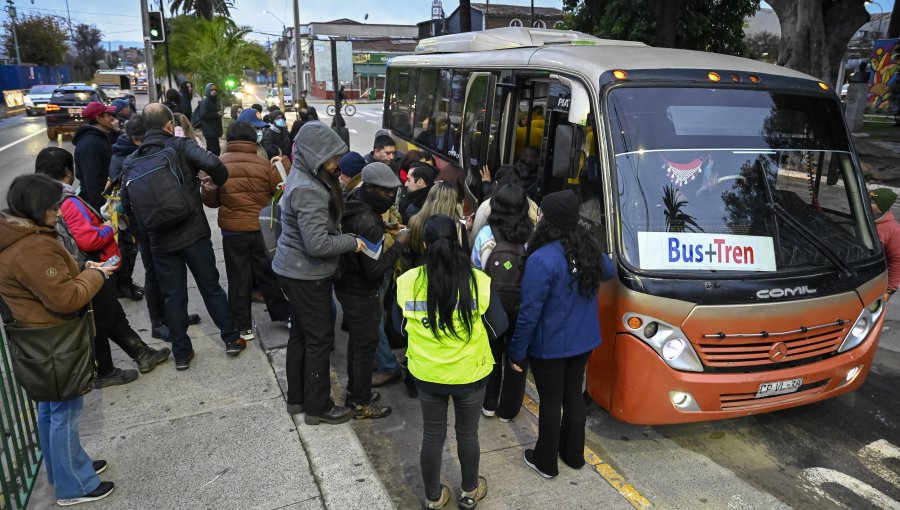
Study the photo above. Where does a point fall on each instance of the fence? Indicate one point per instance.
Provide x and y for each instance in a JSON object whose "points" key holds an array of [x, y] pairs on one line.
{"points": [[21, 455]]}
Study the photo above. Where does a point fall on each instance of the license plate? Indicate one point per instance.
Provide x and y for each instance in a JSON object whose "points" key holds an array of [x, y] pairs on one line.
{"points": [[778, 388], [75, 111]]}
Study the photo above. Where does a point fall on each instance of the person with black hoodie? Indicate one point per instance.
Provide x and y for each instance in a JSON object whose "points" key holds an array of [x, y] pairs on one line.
{"points": [[211, 119], [93, 151], [173, 100], [362, 274], [419, 181], [127, 237], [187, 96], [276, 140]]}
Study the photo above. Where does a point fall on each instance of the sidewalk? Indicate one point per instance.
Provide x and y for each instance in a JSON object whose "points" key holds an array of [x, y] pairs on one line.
{"points": [[217, 435]]}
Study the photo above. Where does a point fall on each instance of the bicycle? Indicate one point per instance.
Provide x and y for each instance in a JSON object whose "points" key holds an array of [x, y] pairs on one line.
{"points": [[347, 109]]}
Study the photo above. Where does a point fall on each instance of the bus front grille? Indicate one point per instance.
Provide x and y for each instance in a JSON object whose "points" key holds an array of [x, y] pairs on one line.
{"points": [[767, 353]]}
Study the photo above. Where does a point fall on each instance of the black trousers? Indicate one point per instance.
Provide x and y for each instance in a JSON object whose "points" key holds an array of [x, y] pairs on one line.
{"points": [[152, 294], [246, 261], [128, 247], [310, 344], [112, 324], [363, 316], [559, 383], [171, 269], [506, 387], [212, 144]]}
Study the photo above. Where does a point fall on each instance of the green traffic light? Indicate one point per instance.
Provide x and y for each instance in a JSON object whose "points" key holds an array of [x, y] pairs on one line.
{"points": [[229, 83]]}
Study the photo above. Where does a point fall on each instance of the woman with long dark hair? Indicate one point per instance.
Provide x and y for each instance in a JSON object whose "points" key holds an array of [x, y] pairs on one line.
{"points": [[499, 250], [44, 286], [558, 326], [448, 313]]}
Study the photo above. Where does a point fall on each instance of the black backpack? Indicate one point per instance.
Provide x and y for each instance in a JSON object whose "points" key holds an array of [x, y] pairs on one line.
{"points": [[506, 265], [155, 187]]}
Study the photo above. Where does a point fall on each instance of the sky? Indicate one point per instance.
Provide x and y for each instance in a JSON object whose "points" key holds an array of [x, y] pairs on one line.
{"points": [[124, 23]]}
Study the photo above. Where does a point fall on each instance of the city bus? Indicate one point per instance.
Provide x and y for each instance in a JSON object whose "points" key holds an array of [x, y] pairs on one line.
{"points": [[727, 191]]}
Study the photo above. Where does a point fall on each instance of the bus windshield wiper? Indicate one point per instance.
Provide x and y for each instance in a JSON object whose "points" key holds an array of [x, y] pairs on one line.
{"points": [[812, 239]]}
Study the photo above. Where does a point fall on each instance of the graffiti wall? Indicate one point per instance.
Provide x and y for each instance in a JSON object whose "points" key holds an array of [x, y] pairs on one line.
{"points": [[884, 75]]}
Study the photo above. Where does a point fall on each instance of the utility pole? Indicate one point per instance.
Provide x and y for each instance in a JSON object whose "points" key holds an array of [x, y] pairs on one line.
{"points": [[11, 10], [298, 52], [162, 13], [148, 53]]}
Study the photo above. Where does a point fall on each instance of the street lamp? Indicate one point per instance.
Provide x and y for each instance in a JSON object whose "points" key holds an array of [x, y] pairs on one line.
{"points": [[11, 10]]}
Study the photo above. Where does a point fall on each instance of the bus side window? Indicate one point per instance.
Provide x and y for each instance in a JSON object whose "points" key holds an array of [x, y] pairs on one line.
{"points": [[402, 105], [426, 91]]}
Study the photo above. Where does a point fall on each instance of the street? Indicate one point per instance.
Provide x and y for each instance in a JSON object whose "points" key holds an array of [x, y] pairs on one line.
{"points": [[840, 453]]}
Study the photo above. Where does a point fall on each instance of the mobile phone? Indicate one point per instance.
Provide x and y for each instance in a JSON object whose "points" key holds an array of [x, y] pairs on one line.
{"points": [[113, 261]]}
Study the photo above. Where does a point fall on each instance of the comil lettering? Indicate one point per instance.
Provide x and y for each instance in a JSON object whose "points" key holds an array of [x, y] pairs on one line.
{"points": [[719, 251], [787, 292]]}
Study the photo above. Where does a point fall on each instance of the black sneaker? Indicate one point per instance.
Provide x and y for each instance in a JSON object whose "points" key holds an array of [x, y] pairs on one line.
{"points": [[348, 402], [116, 377], [152, 357], [370, 410], [193, 319], [185, 362], [161, 332], [105, 489], [131, 291], [529, 459], [100, 466], [232, 349]]}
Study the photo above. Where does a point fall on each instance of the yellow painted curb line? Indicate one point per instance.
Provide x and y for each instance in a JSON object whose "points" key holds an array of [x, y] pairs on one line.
{"points": [[609, 474]]}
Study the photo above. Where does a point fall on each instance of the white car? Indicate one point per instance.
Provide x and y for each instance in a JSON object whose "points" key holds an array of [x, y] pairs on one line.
{"points": [[37, 98], [272, 98]]}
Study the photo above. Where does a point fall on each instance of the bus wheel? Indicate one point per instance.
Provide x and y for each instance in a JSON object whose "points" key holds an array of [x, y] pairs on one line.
{"points": [[51, 134]]}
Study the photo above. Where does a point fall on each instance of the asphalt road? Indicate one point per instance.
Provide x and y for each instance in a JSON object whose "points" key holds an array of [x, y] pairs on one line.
{"points": [[841, 453]]}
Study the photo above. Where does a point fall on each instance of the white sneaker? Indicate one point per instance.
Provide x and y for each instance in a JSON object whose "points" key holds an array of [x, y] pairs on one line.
{"points": [[488, 413], [505, 420], [105, 489], [247, 335]]}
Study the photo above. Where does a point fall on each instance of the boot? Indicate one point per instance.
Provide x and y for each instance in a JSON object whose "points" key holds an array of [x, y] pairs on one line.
{"points": [[131, 291], [145, 356]]}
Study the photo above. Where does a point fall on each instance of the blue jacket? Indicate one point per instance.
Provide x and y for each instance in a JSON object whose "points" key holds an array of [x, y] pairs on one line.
{"points": [[555, 320]]}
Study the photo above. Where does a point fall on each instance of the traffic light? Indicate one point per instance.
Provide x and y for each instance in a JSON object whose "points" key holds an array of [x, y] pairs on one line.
{"points": [[157, 30], [230, 83]]}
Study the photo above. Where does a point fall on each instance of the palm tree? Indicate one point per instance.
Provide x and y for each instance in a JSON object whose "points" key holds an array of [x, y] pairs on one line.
{"points": [[676, 219], [202, 8]]}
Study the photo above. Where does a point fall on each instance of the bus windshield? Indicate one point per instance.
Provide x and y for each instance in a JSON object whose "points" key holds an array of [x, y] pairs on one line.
{"points": [[726, 180]]}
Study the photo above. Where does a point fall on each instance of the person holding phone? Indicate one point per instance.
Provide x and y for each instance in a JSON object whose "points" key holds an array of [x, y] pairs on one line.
{"points": [[43, 285]]}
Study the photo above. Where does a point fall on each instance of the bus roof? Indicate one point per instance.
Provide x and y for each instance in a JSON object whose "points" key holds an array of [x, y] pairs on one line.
{"points": [[575, 51]]}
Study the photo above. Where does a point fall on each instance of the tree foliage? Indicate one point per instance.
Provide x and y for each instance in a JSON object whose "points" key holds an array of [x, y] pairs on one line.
{"points": [[762, 46], [212, 50], [705, 25], [86, 51], [202, 8], [815, 33], [42, 39]]}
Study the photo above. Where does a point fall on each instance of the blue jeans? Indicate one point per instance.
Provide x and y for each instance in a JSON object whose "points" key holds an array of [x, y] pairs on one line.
{"points": [[69, 469], [171, 272]]}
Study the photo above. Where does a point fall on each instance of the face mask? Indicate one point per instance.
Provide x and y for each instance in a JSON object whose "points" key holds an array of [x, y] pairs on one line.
{"points": [[258, 136], [280, 123]]}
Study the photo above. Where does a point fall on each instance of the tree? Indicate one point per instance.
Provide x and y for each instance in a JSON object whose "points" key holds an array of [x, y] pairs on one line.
{"points": [[212, 50], [815, 33], [42, 39], [762, 46], [705, 25], [86, 51], [202, 8]]}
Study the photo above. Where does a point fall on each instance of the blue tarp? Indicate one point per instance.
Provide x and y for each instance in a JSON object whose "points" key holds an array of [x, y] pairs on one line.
{"points": [[14, 77]]}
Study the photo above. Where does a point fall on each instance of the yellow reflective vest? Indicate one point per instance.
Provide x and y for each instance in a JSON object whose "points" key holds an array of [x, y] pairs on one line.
{"points": [[445, 359]]}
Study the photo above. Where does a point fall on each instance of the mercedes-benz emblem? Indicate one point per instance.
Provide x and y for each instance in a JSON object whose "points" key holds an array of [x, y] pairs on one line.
{"points": [[778, 352]]}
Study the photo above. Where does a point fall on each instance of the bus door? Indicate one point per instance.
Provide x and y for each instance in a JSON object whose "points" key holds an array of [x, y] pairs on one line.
{"points": [[476, 127]]}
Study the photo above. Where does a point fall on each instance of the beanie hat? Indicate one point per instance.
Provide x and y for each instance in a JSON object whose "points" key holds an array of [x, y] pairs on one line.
{"points": [[561, 209], [884, 198], [351, 164]]}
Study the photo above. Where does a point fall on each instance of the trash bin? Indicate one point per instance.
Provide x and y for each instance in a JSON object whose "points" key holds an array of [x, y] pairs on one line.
{"points": [[373, 95]]}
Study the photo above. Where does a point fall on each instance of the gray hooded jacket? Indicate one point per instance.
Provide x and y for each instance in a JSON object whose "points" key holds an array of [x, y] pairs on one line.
{"points": [[311, 241]]}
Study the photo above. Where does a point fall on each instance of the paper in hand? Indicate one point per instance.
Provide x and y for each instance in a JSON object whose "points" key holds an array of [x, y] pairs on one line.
{"points": [[372, 250]]}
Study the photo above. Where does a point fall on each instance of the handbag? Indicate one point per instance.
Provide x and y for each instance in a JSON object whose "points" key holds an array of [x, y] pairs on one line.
{"points": [[55, 363], [270, 216]]}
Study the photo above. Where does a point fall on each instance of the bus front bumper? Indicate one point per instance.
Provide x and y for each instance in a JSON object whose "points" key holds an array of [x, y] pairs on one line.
{"points": [[645, 390]]}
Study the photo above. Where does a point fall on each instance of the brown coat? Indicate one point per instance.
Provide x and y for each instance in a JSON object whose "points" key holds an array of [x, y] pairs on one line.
{"points": [[39, 280], [251, 183]]}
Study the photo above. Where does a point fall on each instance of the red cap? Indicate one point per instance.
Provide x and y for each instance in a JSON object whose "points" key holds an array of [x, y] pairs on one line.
{"points": [[95, 108]]}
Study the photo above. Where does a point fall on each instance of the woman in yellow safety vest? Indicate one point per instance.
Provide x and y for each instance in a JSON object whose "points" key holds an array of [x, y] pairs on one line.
{"points": [[448, 314]]}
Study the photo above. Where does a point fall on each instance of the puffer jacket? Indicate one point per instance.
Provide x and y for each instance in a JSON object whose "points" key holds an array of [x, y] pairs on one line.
{"points": [[94, 239], [93, 152], [276, 141], [311, 241], [252, 181], [39, 281], [211, 121]]}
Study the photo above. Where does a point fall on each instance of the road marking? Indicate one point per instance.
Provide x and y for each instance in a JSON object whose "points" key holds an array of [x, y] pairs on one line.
{"points": [[874, 455], [816, 477], [20, 140], [608, 473], [372, 121], [355, 132]]}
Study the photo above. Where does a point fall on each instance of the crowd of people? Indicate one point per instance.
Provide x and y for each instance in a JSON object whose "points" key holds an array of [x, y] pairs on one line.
{"points": [[475, 299]]}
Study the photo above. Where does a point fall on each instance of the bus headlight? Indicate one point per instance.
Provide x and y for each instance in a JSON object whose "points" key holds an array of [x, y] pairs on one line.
{"points": [[668, 341], [683, 401], [863, 325]]}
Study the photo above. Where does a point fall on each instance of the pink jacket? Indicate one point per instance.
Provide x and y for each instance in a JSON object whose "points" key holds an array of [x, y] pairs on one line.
{"points": [[889, 234]]}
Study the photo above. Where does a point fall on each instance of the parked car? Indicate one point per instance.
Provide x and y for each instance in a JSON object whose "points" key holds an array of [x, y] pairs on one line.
{"points": [[64, 108], [272, 99], [37, 98], [140, 86]]}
